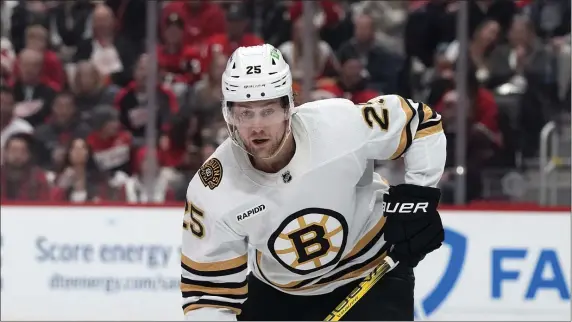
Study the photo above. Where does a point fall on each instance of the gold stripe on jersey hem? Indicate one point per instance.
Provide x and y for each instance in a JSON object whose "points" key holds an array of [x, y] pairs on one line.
{"points": [[437, 128], [215, 266], [360, 271], [405, 139], [367, 238], [214, 290], [200, 306]]}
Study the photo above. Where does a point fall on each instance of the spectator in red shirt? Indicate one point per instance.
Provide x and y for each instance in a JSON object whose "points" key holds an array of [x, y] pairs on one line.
{"points": [[80, 179], [483, 116], [351, 84], [131, 103], [235, 36], [111, 144], [52, 69], [202, 19], [177, 61], [20, 178]]}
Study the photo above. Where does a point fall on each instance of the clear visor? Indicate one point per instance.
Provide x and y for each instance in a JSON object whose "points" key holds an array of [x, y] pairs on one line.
{"points": [[249, 118]]}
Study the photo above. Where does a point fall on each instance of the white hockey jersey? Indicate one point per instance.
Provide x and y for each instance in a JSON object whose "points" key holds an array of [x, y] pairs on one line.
{"points": [[315, 225]]}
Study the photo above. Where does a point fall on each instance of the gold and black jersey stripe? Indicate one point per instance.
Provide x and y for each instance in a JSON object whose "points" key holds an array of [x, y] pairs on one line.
{"points": [[406, 136], [191, 288], [366, 242], [429, 122], [364, 245], [429, 128], [220, 268], [210, 294], [220, 294]]}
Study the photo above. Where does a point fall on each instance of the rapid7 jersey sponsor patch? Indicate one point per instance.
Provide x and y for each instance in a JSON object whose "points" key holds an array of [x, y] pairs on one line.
{"points": [[251, 212]]}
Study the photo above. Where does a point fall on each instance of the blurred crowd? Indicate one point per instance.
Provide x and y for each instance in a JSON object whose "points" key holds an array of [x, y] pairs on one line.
{"points": [[74, 82]]}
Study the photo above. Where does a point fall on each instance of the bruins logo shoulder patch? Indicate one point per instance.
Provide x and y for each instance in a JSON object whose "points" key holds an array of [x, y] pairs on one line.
{"points": [[309, 240], [211, 173]]}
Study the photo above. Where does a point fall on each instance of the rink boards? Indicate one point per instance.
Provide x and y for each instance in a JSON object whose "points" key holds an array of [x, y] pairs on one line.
{"points": [[122, 263]]}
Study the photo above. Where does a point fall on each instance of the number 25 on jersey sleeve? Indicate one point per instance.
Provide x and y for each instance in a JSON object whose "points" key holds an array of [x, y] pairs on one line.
{"points": [[395, 122], [194, 221], [373, 117]]}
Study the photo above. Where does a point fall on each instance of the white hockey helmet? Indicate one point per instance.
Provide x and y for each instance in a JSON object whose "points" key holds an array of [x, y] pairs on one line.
{"points": [[255, 73]]}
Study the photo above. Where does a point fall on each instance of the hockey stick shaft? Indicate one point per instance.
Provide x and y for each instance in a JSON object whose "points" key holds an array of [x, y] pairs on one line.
{"points": [[363, 287]]}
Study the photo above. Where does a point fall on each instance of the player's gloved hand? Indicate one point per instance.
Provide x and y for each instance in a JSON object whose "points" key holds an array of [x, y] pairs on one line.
{"points": [[413, 225]]}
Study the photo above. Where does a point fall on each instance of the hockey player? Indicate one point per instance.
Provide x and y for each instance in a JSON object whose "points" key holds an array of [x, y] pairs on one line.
{"points": [[287, 216]]}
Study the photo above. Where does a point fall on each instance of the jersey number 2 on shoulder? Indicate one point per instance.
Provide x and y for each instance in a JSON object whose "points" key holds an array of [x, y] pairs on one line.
{"points": [[195, 224], [375, 113]]}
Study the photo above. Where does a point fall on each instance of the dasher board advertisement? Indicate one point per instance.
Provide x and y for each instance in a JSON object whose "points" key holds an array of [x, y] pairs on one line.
{"points": [[123, 263]]}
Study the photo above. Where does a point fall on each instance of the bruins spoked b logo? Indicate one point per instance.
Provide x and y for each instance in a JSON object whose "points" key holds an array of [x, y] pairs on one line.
{"points": [[211, 173], [309, 240]]}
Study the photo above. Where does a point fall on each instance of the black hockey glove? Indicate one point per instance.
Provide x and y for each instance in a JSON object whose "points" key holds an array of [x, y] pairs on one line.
{"points": [[413, 225]]}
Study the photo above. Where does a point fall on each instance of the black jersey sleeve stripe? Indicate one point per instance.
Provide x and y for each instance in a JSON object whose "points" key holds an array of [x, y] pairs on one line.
{"points": [[230, 290], [428, 124], [187, 294], [434, 129], [189, 281]]}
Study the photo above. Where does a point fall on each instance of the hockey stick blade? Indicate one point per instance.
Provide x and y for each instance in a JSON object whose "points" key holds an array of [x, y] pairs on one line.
{"points": [[363, 287]]}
